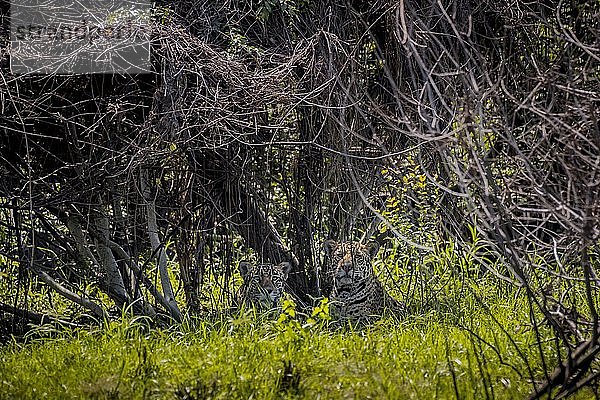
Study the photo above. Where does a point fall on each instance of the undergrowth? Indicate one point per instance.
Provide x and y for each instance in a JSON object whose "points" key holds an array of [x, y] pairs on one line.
{"points": [[484, 352], [466, 335]]}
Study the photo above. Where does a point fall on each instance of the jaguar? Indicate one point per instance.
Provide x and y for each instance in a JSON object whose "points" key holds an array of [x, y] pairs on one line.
{"points": [[357, 293], [263, 284]]}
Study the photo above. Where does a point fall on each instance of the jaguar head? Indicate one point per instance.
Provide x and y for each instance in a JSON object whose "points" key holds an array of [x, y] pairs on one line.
{"points": [[350, 262], [264, 283]]}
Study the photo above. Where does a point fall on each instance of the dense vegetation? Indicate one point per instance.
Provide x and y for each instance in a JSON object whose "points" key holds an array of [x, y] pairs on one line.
{"points": [[463, 136], [457, 349]]}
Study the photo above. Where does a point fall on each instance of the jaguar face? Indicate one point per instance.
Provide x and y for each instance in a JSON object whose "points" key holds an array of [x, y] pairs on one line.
{"points": [[264, 283], [350, 263]]}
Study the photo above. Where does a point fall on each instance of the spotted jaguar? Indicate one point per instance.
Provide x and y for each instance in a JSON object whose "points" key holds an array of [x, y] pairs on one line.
{"points": [[263, 284], [357, 293]]}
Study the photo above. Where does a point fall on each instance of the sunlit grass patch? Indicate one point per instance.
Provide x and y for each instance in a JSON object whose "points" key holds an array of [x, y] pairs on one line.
{"points": [[248, 356]]}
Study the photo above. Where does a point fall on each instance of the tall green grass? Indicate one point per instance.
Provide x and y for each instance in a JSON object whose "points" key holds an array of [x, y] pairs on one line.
{"points": [[469, 352], [467, 335]]}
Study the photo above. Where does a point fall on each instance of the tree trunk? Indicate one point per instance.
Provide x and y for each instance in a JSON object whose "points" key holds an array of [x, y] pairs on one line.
{"points": [[158, 249]]}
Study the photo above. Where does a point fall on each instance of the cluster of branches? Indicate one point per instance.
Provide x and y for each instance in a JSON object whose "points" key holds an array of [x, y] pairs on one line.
{"points": [[269, 124]]}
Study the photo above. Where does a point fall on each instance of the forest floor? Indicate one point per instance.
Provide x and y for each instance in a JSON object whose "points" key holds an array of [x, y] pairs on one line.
{"points": [[467, 349]]}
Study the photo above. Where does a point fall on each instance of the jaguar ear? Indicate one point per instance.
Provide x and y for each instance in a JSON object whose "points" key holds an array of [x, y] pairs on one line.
{"points": [[244, 269], [372, 248], [329, 246], [286, 267]]}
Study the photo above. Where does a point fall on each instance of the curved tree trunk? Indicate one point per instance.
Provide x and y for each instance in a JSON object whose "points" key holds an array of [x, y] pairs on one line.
{"points": [[158, 249]]}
